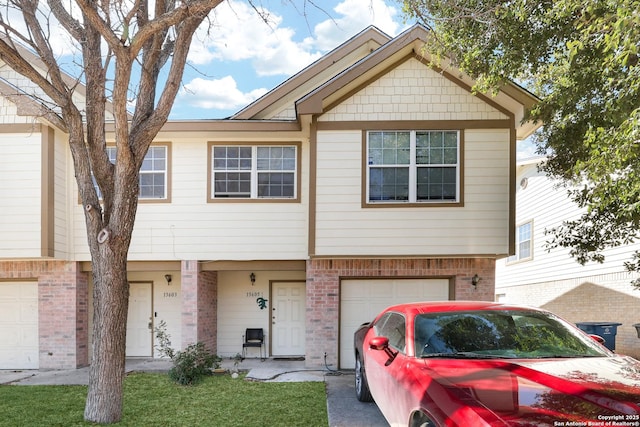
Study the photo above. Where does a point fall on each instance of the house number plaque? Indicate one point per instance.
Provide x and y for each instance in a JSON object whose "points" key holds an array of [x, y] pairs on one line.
{"points": [[254, 294]]}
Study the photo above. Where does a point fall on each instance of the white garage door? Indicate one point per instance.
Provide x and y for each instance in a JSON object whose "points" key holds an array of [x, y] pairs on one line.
{"points": [[19, 325], [362, 300]]}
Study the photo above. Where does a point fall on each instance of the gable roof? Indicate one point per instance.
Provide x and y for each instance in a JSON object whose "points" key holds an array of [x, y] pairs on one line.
{"points": [[511, 98], [378, 54], [354, 49]]}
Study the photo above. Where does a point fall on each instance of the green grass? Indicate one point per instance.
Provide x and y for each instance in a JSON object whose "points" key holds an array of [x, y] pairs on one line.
{"points": [[153, 400]]}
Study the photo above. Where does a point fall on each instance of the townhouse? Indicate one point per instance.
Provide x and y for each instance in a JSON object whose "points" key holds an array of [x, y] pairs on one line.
{"points": [[371, 177]]}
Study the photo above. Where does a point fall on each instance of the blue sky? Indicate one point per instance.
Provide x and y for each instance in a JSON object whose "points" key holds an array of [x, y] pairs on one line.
{"points": [[239, 57]]}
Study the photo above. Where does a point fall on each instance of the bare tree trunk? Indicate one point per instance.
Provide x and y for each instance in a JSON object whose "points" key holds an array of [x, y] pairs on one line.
{"points": [[109, 249], [106, 374]]}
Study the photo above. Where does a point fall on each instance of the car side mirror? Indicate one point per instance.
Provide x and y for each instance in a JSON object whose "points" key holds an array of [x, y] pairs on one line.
{"points": [[597, 338], [382, 343], [379, 343]]}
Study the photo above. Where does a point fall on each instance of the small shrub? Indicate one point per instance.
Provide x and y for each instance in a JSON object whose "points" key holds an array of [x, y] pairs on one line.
{"points": [[164, 342], [189, 365], [192, 364]]}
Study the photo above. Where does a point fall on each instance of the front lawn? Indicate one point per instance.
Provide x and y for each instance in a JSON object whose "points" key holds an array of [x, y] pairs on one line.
{"points": [[153, 400]]}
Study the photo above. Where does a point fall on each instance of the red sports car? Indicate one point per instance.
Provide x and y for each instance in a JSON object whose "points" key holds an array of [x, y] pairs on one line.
{"points": [[473, 364]]}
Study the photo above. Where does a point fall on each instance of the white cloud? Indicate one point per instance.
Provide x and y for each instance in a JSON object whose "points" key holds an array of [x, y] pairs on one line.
{"points": [[221, 94], [354, 16], [236, 33]]}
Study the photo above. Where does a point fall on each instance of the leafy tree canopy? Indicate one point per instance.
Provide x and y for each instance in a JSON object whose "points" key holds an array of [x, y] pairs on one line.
{"points": [[581, 59]]}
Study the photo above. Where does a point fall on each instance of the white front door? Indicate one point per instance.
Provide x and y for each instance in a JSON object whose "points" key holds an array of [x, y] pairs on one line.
{"points": [[287, 318], [139, 321]]}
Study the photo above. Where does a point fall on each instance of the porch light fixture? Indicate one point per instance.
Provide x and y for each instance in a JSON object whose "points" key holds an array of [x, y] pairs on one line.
{"points": [[475, 280], [252, 277], [168, 278]]}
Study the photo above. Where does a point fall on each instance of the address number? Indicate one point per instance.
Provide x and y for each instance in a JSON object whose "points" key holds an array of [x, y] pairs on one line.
{"points": [[254, 294]]}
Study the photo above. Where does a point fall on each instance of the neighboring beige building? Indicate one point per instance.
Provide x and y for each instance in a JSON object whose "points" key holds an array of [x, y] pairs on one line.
{"points": [[552, 279], [368, 178]]}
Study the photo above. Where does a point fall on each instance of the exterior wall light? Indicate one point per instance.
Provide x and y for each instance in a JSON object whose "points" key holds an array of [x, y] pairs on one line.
{"points": [[475, 280], [252, 277], [168, 278]]}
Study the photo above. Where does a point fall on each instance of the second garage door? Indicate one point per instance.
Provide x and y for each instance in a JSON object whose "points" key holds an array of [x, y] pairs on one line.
{"points": [[19, 325], [362, 300]]}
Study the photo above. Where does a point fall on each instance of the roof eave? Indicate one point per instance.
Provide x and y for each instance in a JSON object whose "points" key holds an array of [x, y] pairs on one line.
{"points": [[370, 34]]}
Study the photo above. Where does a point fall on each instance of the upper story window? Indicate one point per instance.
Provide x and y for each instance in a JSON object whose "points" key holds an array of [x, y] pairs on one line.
{"points": [[413, 166], [254, 172], [153, 172], [524, 243]]}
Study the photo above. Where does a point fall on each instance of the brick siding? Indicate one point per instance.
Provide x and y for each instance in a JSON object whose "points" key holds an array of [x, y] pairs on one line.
{"points": [[199, 306], [323, 290], [63, 318], [598, 298]]}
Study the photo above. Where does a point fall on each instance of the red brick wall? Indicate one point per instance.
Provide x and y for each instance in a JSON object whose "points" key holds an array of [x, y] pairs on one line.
{"points": [[323, 290], [189, 287], [63, 318], [208, 309], [82, 319], [199, 305]]}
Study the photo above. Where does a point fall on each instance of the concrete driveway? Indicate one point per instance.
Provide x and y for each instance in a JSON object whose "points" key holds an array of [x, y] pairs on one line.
{"points": [[344, 409]]}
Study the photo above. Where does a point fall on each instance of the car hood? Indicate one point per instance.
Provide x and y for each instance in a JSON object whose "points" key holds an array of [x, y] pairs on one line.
{"points": [[542, 392]]}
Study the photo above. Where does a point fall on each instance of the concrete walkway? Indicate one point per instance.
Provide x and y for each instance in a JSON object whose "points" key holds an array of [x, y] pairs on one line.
{"points": [[343, 408]]}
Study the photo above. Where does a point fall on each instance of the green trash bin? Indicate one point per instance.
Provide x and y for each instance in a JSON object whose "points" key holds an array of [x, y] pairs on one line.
{"points": [[607, 330]]}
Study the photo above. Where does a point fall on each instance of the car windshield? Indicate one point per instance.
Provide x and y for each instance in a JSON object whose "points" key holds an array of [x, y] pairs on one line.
{"points": [[500, 333]]}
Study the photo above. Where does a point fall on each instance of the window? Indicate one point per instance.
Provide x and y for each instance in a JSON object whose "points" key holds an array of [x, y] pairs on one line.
{"points": [[256, 172], [153, 173], [392, 326], [413, 166], [524, 248]]}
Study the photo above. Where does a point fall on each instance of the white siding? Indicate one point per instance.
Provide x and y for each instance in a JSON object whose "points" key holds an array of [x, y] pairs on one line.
{"points": [[20, 191], [547, 206], [9, 112], [238, 309], [412, 91], [63, 183], [191, 228], [167, 305], [343, 227]]}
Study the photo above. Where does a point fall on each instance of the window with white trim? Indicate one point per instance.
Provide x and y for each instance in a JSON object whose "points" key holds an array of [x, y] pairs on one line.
{"points": [[153, 173], [524, 243], [413, 166], [254, 172]]}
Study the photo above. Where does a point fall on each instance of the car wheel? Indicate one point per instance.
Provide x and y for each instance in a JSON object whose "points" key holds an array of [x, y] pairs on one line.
{"points": [[362, 388]]}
